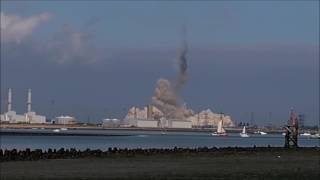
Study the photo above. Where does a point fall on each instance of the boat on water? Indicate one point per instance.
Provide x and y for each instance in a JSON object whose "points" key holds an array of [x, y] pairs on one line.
{"points": [[263, 133], [63, 129], [244, 133], [56, 130], [260, 132], [220, 130], [316, 136], [305, 134]]}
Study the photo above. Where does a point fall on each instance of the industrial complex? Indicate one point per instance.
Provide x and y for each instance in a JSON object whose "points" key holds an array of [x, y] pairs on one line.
{"points": [[29, 117], [152, 117], [147, 117]]}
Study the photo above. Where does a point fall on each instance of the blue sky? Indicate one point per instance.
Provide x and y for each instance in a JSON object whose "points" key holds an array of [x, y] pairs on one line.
{"points": [[245, 56]]}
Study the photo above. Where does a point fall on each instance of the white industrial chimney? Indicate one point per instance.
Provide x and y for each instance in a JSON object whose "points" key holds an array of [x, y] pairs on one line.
{"points": [[9, 99], [29, 101]]}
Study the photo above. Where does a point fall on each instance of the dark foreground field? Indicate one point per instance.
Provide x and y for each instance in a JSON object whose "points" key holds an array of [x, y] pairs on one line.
{"points": [[293, 164]]}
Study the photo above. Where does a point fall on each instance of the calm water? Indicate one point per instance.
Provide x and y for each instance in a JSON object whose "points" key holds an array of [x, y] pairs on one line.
{"points": [[143, 139]]}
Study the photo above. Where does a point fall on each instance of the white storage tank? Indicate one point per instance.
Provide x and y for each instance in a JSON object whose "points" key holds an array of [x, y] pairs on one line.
{"points": [[65, 120]]}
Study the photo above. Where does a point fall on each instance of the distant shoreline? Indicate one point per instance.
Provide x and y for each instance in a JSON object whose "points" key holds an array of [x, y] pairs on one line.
{"points": [[96, 127]]}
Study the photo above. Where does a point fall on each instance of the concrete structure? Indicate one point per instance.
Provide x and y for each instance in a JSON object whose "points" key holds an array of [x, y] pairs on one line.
{"points": [[149, 112], [29, 101], [11, 116], [64, 120], [29, 117], [150, 116], [111, 123], [9, 108], [32, 117], [174, 123], [207, 118], [180, 124], [145, 123]]}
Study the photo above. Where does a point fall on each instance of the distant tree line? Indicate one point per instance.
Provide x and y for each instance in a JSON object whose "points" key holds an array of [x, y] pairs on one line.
{"points": [[37, 154]]}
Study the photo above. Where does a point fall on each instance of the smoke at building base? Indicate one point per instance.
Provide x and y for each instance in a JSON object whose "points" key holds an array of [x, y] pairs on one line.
{"points": [[167, 94]]}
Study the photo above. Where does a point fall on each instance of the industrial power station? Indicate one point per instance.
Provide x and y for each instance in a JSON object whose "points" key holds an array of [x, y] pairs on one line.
{"points": [[30, 117], [151, 117]]}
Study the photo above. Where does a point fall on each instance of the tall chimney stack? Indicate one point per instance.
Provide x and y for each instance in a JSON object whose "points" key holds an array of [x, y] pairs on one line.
{"points": [[29, 101], [9, 99]]}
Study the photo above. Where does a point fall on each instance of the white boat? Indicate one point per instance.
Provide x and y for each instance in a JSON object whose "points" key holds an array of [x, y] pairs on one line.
{"points": [[244, 133], [283, 134], [220, 130], [305, 134], [263, 133], [260, 132], [316, 136], [56, 130], [63, 129]]}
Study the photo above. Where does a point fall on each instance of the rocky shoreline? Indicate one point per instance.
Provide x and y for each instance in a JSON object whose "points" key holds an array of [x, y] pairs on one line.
{"points": [[39, 154]]}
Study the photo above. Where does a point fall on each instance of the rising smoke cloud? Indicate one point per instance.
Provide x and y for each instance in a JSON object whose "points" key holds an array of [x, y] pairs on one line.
{"points": [[167, 93]]}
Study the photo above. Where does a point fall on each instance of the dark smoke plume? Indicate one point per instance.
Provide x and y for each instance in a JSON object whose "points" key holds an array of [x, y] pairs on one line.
{"points": [[167, 94]]}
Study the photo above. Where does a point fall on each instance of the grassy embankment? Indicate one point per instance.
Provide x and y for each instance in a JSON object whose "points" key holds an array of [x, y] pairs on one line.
{"points": [[292, 164]]}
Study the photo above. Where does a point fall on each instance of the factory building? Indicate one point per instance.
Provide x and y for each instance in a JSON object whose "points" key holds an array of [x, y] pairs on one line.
{"points": [[111, 123], [152, 117], [29, 117], [180, 124], [64, 120], [207, 118], [148, 117]]}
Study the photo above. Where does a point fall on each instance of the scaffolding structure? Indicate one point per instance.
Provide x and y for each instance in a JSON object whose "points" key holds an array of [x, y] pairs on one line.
{"points": [[291, 137]]}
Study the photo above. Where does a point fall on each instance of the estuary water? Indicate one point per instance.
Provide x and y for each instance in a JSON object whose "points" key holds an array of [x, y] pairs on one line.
{"points": [[139, 139]]}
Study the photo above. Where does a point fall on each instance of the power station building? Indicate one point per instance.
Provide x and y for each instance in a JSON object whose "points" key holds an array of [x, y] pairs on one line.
{"points": [[207, 118], [111, 123], [152, 117], [64, 120], [29, 117]]}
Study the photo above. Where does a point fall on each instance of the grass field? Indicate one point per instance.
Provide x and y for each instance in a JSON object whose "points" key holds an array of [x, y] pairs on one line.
{"points": [[262, 165]]}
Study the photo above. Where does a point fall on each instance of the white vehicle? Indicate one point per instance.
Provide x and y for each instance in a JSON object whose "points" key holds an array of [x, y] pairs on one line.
{"points": [[244, 133], [220, 130]]}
